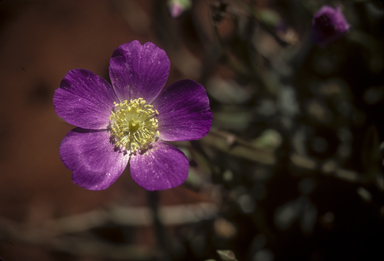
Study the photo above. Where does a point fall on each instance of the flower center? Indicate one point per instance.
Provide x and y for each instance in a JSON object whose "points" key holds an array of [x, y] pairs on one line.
{"points": [[134, 125]]}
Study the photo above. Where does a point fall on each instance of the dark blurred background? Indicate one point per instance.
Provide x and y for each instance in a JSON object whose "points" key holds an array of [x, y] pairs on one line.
{"points": [[291, 169]]}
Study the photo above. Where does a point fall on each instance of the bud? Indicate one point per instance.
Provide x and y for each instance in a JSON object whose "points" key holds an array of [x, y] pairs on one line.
{"points": [[328, 25], [177, 7]]}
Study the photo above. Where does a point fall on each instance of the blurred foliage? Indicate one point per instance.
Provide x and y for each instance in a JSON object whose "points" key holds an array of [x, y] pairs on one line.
{"points": [[294, 154]]}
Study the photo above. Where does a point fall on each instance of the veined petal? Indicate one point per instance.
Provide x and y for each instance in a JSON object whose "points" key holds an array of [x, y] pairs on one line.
{"points": [[162, 167], [94, 162], [138, 71], [84, 99], [184, 112]]}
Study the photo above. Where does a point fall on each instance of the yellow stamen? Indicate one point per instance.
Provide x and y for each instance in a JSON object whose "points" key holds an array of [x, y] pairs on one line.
{"points": [[134, 125]]}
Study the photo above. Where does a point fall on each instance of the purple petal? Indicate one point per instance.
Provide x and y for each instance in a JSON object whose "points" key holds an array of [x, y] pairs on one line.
{"points": [[184, 112], [162, 167], [84, 100], [138, 71], [92, 158]]}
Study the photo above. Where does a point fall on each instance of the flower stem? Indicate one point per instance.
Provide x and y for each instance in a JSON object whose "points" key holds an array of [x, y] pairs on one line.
{"points": [[160, 232]]}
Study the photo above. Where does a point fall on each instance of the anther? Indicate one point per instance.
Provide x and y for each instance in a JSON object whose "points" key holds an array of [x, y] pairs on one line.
{"points": [[133, 125]]}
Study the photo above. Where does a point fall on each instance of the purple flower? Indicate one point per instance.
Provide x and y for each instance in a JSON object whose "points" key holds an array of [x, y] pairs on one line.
{"points": [[328, 25], [128, 122]]}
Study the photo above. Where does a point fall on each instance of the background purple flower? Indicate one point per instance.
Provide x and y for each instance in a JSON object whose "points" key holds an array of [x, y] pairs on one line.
{"points": [[126, 122], [328, 24]]}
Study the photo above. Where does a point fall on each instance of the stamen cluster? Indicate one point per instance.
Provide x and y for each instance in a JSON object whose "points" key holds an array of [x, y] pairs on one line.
{"points": [[134, 125]]}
